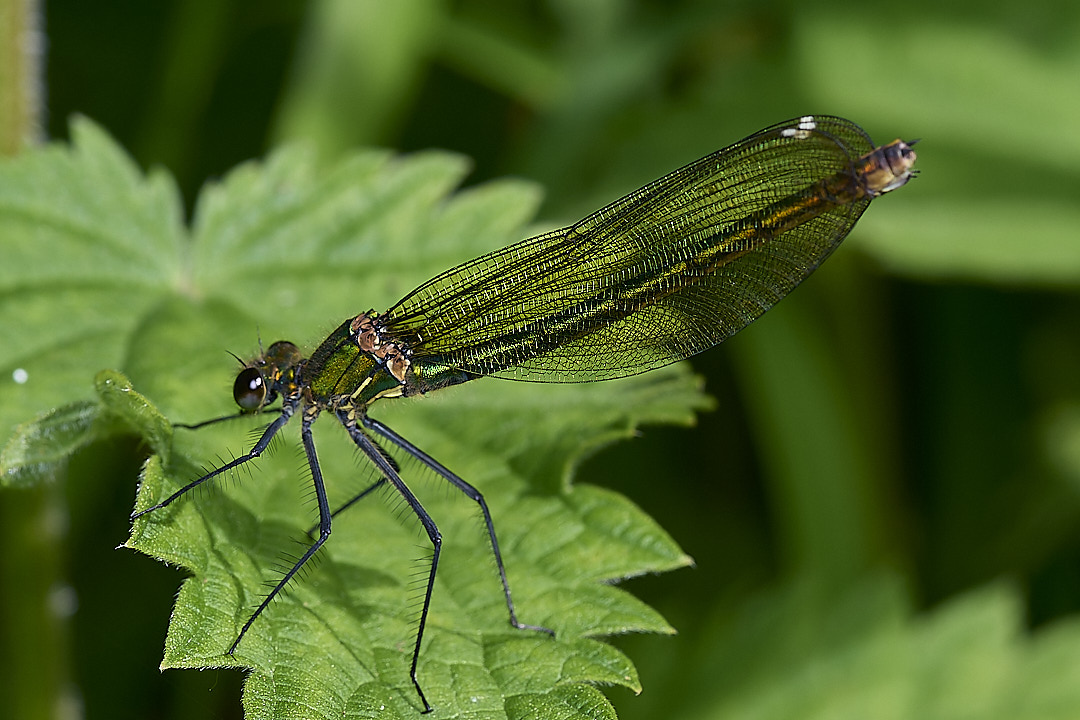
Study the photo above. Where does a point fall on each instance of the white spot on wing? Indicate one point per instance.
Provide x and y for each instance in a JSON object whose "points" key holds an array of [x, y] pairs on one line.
{"points": [[801, 131]]}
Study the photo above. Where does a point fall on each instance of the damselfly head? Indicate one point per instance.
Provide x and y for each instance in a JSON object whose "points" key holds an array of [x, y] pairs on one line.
{"points": [[257, 384]]}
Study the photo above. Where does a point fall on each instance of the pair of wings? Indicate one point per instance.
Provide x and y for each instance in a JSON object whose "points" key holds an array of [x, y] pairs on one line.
{"points": [[623, 291]]}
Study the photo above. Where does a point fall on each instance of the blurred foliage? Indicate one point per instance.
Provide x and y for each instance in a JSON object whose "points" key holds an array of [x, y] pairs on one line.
{"points": [[910, 411]]}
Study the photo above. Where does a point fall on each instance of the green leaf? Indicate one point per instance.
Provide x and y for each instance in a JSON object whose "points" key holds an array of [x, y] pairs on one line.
{"points": [[90, 247], [39, 448], [288, 249], [866, 654]]}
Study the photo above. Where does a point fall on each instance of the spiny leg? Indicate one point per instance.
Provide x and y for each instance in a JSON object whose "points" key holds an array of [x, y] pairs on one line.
{"points": [[470, 492], [355, 499], [324, 525], [376, 455], [363, 493], [260, 446]]}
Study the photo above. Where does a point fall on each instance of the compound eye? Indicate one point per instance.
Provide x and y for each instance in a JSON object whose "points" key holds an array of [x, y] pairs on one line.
{"points": [[249, 390]]}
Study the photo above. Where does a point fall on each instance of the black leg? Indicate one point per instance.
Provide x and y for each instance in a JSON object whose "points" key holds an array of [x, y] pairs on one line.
{"points": [[260, 446], [356, 498], [214, 421], [375, 454], [472, 493], [363, 493], [324, 526]]}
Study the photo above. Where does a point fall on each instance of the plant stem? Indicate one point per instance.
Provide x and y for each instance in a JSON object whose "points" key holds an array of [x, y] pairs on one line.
{"points": [[21, 60], [35, 602]]}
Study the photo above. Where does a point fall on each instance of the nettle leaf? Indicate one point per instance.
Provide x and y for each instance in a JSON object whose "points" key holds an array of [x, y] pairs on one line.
{"points": [[90, 246], [865, 653], [285, 249]]}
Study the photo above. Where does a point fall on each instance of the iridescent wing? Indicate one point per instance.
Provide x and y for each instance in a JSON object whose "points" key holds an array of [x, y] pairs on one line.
{"points": [[665, 272]]}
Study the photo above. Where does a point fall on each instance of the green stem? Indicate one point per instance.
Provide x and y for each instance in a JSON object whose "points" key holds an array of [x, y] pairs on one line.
{"points": [[34, 601], [21, 45]]}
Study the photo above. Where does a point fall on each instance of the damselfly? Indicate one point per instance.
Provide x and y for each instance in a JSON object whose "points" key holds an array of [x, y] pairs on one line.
{"points": [[666, 272]]}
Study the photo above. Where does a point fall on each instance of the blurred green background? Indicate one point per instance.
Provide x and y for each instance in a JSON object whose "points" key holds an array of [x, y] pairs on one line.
{"points": [[902, 432]]}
